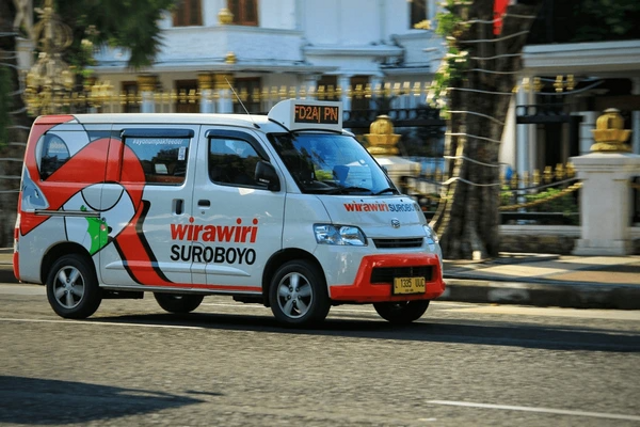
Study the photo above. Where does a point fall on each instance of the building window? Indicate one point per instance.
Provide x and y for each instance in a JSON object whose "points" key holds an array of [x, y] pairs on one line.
{"points": [[245, 12], [186, 102], [358, 99], [327, 86], [246, 89], [418, 11], [187, 13], [130, 92]]}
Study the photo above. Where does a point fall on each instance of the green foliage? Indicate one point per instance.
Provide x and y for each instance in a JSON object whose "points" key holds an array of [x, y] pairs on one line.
{"points": [[606, 20], [452, 68], [507, 197], [5, 105], [130, 24], [566, 204], [324, 175]]}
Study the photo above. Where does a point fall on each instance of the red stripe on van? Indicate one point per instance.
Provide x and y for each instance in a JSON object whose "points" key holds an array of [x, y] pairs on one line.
{"points": [[54, 119]]}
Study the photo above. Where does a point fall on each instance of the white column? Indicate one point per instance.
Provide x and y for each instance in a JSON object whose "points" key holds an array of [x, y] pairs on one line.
{"points": [[635, 118], [147, 86], [310, 84], [508, 147], [522, 136], [205, 84], [375, 81], [532, 139], [605, 203], [344, 82], [586, 126], [225, 103]]}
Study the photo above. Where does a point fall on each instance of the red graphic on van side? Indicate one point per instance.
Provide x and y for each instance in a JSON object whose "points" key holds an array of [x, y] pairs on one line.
{"points": [[88, 167]]}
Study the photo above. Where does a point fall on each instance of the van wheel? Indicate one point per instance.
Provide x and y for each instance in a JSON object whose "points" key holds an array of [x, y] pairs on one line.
{"points": [[298, 294], [402, 312], [178, 304], [72, 287]]}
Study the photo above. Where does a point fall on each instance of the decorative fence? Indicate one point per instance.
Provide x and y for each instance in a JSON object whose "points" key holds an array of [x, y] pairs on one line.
{"points": [[547, 197], [103, 97]]}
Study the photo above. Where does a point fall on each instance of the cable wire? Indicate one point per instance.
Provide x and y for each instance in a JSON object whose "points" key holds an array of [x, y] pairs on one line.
{"points": [[485, 116], [468, 135], [489, 165]]}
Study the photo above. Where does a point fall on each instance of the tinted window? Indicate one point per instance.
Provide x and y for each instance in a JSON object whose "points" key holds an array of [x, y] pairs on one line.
{"points": [[232, 161], [330, 164], [55, 153], [163, 159]]}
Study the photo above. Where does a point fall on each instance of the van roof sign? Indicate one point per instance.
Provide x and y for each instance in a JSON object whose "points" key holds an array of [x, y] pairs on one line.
{"points": [[297, 114]]}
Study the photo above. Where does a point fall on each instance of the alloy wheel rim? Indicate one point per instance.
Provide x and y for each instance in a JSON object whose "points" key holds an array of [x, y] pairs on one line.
{"points": [[295, 295], [68, 287]]}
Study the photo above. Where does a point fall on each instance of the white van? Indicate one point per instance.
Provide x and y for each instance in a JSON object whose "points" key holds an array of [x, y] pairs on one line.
{"points": [[287, 210]]}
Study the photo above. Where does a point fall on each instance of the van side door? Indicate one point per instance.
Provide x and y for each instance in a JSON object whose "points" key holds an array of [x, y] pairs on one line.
{"points": [[237, 222], [154, 165]]}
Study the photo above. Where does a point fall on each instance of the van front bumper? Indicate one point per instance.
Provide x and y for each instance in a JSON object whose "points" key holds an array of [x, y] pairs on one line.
{"points": [[362, 290]]}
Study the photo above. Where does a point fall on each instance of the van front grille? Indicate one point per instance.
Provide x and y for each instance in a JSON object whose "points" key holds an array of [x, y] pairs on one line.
{"points": [[387, 274], [398, 243]]}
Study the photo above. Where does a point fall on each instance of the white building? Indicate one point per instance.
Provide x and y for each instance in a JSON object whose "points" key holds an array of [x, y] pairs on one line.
{"points": [[283, 44], [285, 48], [556, 120]]}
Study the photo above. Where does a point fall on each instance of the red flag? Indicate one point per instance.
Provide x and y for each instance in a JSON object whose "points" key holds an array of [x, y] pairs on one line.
{"points": [[499, 9]]}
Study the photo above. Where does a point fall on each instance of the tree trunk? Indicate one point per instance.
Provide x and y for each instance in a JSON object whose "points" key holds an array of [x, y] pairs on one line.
{"points": [[18, 128], [467, 219]]}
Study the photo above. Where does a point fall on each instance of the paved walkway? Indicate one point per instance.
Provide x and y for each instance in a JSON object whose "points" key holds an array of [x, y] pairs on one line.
{"points": [[529, 279], [547, 280]]}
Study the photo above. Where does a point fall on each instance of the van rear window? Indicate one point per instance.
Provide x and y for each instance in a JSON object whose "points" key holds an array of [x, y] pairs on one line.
{"points": [[55, 153], [163, 159]]}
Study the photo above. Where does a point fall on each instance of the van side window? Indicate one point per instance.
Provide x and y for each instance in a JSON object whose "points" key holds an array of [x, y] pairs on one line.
{"points": [[232, 161], [55, 153], [163, 159]]}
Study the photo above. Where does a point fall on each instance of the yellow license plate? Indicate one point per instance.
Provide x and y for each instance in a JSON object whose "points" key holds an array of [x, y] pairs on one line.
{"points": [[408, 285]]}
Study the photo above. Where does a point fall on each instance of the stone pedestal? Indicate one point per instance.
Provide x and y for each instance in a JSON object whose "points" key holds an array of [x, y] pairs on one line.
{"points": [[605, 202], [382, 145], [398, 167]]}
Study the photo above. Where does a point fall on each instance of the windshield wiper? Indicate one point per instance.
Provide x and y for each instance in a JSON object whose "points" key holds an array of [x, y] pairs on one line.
{"points": [[386, 190], [349, 190]]}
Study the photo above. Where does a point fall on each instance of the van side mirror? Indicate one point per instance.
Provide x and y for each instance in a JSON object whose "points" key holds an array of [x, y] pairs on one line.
{"points": [[266, 175]]}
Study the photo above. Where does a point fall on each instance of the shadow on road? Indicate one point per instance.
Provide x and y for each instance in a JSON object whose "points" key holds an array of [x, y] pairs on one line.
{"points": [[485, 333], [37, 401]]}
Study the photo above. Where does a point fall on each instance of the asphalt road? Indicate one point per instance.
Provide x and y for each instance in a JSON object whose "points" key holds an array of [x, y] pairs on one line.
{"points": [[229, 364]]}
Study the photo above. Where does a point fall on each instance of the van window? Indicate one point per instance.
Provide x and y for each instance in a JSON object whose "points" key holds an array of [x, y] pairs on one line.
{"points": [[163, 159], [232, 161], [330, 164], [55, 153]]}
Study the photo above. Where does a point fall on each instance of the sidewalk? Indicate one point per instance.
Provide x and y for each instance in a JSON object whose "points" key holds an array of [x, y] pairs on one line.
{"points": [[547, 280], [528, 279]]}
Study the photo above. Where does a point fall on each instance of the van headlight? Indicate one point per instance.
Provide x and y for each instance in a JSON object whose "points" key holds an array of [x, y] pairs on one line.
{"points": [[346, 235], [432, 237]]}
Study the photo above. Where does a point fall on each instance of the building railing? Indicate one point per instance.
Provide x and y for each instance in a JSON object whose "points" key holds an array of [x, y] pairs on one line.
{"points": [[103, 97], [547, 197]]}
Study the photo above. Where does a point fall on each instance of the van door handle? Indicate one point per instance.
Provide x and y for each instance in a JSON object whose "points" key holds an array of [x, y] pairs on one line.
{"points": [[204, 203], [178, 206]]}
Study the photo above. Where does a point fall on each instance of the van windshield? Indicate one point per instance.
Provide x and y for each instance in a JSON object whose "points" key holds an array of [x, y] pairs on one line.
{"points": [[323, 163]]}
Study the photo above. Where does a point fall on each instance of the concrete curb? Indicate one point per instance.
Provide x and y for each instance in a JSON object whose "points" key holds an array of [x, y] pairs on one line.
{"points": [[549, 294], [467, 287]]}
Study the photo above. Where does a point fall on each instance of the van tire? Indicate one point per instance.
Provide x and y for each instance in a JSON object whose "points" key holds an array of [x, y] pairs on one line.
{"points": [[177, 303], [72, 287], [298, 294], [402, 312]]}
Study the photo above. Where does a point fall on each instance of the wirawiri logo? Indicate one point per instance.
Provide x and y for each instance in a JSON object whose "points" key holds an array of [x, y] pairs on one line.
{"points": [[215, 233]]}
